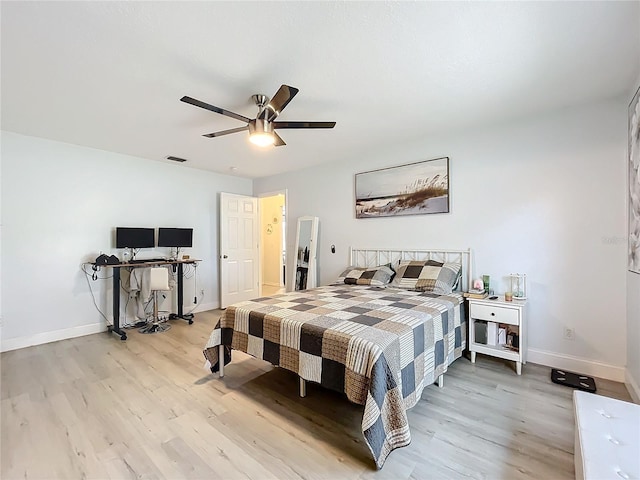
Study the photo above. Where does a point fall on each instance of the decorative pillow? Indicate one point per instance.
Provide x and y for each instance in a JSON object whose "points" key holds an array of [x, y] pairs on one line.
{"points": [[427, 276], [377, 276]]}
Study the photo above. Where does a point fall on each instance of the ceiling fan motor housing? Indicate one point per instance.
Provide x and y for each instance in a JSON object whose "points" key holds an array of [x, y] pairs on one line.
{"points": [[259, 125]]}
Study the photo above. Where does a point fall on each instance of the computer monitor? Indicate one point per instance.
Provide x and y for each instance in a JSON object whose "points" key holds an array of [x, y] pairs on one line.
{"points": [[175, 237], [127, 237]]}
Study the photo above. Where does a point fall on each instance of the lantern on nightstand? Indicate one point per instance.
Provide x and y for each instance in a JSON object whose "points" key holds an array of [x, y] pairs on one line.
{"points": [[519, 286]]}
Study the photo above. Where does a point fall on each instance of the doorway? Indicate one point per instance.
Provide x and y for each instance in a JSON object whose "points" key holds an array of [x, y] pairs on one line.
{"points": [[273, 219]]}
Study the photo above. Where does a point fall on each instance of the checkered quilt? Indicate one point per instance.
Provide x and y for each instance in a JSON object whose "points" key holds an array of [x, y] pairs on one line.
{"points": [[379, 346]]}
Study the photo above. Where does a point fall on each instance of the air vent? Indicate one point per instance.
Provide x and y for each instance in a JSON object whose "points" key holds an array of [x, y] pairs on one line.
{"points": [[176, 159]]}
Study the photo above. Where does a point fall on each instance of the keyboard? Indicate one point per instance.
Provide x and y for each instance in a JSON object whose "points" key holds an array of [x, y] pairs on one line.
{"points": [[148, 260]]}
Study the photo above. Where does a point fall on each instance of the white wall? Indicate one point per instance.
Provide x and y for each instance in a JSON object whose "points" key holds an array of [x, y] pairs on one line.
{"points": [[60, 204], [633, 315], [543, 196]]}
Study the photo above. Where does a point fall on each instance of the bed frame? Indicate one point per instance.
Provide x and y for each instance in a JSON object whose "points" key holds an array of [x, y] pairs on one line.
{"points": [[371, 257]]}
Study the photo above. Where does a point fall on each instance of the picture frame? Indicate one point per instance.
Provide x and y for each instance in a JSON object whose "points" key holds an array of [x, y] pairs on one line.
{"points": [[634, 183], [412, 189]]}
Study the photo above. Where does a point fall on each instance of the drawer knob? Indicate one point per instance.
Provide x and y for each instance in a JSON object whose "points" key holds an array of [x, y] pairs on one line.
{"points": [[493, 314]]}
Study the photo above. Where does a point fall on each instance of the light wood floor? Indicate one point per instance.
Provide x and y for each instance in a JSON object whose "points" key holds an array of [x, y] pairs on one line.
{"points": [[271, 290], [96, 407]]}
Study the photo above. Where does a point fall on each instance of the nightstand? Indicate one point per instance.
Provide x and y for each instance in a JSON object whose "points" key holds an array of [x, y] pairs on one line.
{"points": [[511, 315]]}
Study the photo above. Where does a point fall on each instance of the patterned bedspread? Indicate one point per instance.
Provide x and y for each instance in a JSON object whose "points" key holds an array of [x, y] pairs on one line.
{"points": [[380, 347]]}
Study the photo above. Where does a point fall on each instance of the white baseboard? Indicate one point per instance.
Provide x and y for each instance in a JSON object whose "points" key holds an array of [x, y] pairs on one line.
{"points": [[203, 307], [9, 344], [48, 337], [632, 386], [576, 364]]}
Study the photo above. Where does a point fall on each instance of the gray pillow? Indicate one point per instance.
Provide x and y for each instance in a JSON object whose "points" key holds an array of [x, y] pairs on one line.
{"points": [[427, 276], [376, 276]]}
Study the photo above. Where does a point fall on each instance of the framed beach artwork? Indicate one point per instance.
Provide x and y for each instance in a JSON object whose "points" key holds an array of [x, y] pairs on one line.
{"points": [[634, 183], [412, 189]]}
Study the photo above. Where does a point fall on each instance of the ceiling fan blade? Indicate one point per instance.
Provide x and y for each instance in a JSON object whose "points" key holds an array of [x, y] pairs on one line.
{"points": [[304, 124], [226, 132], [278, 142], [280, 100], [212, 108]]}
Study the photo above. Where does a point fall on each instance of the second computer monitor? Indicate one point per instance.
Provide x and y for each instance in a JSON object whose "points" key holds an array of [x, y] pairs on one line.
{"points": [[175, 237]]}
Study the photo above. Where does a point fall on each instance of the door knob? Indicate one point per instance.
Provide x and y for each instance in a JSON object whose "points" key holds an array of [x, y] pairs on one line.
{"points": [[224, 256]]}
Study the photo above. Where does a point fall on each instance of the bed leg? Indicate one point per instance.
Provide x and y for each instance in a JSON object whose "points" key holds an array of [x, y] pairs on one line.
{"points": [[441, 381], [303, 387], [221, 360]]}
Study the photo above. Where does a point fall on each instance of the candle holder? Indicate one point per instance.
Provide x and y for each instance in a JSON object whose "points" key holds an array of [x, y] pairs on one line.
{"points": [[519, 286]]}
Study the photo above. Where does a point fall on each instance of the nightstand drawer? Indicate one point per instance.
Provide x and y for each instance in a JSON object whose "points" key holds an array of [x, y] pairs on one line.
{"points": [[494, 314]]}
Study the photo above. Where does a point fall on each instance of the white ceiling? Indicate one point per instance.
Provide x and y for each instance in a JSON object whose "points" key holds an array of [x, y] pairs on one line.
{"points": [[109, 75]]}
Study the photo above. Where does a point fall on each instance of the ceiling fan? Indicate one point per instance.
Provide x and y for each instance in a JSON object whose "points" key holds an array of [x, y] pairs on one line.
{"points": [[262, 128]]}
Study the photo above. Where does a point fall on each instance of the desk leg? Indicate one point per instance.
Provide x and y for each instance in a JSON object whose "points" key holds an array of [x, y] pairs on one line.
{"points": [[115, 328], [180, 290], [181, 295]]}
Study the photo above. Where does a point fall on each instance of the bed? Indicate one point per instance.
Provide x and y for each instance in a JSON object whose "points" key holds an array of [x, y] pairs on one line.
{"points": [[380, 345]]}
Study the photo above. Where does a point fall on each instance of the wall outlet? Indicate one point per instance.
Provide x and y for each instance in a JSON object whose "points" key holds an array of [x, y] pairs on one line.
{"points": [[569, 333]]}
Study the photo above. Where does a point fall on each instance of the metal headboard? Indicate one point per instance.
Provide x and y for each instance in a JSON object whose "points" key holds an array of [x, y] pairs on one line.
{"points": [[371, 257]]}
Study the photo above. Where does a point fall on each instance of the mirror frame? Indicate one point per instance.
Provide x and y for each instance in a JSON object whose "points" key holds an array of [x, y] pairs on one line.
{"points": [[312, 272]]}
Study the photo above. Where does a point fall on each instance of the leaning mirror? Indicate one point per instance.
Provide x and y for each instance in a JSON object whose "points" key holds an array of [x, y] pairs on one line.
{"points": [[306, 248]]}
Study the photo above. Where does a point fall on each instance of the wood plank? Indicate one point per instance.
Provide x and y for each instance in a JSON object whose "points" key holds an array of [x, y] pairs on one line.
{"points": [[96, 407]]}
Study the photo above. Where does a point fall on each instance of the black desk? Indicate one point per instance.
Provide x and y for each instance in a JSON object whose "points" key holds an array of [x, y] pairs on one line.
{"points": [[115, 328]]}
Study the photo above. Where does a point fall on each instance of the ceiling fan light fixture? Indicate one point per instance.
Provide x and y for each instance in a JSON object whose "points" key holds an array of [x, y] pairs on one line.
{"points": [[261, 133], [262, 139]]}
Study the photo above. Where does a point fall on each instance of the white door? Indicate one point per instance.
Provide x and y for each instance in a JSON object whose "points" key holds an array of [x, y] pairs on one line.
{"points": [[239, 255]]}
